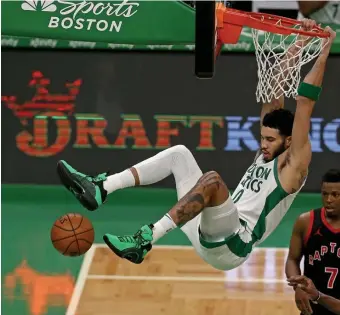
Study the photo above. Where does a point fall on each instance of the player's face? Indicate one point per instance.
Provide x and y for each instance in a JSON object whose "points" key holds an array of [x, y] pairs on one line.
{"points": [[272, 143], [331, 198]]}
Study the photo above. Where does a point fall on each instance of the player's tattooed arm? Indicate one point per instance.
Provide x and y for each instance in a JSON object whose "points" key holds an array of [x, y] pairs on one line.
{"points": [[209, 191], [190, 206]]}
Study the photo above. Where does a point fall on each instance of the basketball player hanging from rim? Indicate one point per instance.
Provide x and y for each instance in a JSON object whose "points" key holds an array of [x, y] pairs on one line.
{"points": [[223, 228]]}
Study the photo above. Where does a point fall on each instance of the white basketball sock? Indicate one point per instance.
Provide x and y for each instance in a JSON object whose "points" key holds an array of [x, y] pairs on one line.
{"points": [[119, 181], [162, 227], [176, 160]]}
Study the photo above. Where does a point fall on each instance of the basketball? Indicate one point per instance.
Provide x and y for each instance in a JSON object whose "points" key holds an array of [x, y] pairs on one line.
{"points": [[72, 234]]}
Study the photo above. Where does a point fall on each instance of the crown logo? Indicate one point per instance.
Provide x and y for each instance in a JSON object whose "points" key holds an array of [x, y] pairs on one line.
{"points": [[43, 100]]}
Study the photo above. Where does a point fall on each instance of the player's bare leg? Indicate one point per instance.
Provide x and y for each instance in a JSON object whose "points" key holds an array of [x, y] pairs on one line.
{"points": [[209, 191]]}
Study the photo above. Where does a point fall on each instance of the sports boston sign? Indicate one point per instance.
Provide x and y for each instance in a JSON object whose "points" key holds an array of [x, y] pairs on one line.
{"points": [[99, 21], [84, 14]]}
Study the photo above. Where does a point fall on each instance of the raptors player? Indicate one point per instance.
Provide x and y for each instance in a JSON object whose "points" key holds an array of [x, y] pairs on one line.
{"points": [[223, 228], [316, 237]]}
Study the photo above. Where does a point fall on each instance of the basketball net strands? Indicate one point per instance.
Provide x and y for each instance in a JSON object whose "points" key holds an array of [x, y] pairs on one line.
{"points": [[281, 44]]}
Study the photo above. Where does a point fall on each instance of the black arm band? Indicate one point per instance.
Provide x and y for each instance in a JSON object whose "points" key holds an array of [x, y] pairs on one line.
{"points": [[310, 91]]}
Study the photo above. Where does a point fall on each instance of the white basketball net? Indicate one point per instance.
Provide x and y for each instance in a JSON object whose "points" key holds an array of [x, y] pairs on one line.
{"points": [[279, 60]]}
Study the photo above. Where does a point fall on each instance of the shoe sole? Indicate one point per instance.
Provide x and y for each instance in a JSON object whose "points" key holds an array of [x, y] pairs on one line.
{"points": [[117, 251], [68, 180]]}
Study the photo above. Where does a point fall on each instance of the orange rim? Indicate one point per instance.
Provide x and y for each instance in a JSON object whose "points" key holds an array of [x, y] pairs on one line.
{"points": [[263, 21]]}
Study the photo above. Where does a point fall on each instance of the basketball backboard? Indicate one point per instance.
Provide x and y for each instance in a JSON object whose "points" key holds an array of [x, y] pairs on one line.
{"points": [[206, 45]]}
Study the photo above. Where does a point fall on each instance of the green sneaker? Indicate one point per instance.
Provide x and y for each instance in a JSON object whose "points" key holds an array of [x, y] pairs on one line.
{"points": [[87, 189], [131, 247]]}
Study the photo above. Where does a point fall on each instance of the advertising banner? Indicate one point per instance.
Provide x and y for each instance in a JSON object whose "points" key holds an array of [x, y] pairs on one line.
{"points": [[106, 24], [110, 110], [122, 21], [245, 43]]}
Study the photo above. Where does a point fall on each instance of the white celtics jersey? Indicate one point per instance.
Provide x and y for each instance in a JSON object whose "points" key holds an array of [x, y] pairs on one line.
{"points": [[330, 13], [260, 199]]}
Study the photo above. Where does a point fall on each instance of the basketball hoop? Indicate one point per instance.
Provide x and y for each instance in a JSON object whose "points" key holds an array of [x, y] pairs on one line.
{"points": [[282, 47]]}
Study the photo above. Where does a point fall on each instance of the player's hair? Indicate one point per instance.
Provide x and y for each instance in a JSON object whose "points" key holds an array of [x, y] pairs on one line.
{"points": [[281, 119], [331, 176]]}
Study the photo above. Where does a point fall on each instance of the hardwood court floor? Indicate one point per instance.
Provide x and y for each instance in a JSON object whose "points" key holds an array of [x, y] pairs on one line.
{"points": [[173, 280]]}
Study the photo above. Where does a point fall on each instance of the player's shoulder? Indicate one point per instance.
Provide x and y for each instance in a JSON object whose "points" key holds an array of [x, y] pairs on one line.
{"points": [[303, 221], [305, 217]]}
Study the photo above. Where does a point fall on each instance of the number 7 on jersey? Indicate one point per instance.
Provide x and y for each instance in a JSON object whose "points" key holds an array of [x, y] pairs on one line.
{"points": [[333, 274]]}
